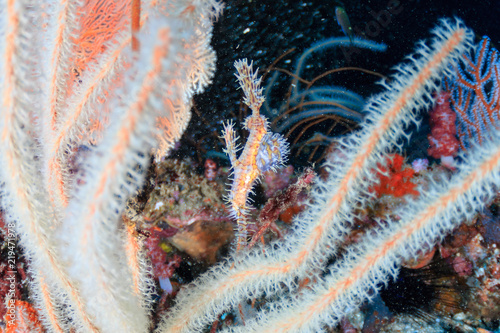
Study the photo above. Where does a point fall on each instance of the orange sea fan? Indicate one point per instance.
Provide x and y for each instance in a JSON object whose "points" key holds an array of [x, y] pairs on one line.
{"points": [[25, 319], [99, 24]]}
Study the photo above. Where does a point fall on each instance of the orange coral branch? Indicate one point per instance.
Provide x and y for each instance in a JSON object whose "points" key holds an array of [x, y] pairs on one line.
{"points": [[394, 179], [136, 18], [26, 319]]}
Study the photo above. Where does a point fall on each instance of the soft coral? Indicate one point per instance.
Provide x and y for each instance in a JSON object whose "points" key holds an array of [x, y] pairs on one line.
{"points": [[394, 179]]}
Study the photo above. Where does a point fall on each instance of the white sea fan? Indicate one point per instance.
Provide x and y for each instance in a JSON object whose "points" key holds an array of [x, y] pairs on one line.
{"points": [[72, 83]]}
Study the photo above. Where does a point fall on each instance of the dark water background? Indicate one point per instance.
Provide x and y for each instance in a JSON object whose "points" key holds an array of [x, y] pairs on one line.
{"points": [[263, 30]]}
